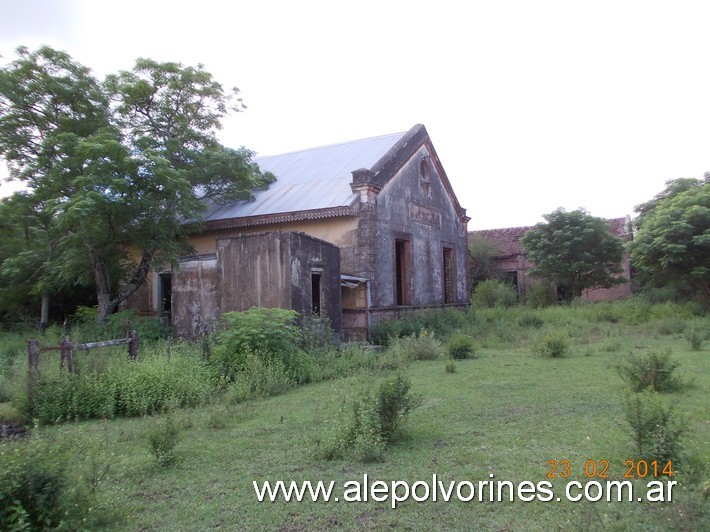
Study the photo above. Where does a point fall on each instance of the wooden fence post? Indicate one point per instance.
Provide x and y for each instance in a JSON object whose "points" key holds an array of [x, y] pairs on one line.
{"points": [[33, 358], [33, 371], [67, 350], [133, 345]]}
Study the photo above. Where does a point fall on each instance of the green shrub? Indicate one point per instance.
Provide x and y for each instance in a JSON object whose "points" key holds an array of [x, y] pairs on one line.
{"points": [[553, 345], [316, 333], [462, 347], [442, 322], [653, 370], [539, 295], [376, 419], [532, 321], [259, 377], [36, 490], [423, 346], [655, 427], [493, 293], [150, 329], [163, 439], [671, 326], [696, 336], [450, 366], [270, 333]]}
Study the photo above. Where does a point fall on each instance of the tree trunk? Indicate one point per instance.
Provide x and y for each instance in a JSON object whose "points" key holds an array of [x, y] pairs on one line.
{"points": [[44, 311], [103, 288], [107, 304]]}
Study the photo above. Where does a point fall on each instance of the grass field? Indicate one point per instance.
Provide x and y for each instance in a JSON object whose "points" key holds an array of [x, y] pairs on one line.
{"points": [[506, 413]]}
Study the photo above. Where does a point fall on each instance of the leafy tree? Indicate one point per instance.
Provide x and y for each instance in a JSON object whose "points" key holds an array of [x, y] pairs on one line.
{"points": [[672, 244], [482, 252], [574, 250], [121, 168]]}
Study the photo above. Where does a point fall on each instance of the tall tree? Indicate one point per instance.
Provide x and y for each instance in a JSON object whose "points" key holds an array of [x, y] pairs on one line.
{"points": [[672, 243], [576, 251], [121, 167]]}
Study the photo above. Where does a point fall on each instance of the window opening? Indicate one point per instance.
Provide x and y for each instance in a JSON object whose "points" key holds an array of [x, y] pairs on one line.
{"points": [[316, 293], [448, 275], [166, 295], [401, 272]]}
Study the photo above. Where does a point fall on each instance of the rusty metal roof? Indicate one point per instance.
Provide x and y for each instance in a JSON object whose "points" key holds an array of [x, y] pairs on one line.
{"points": [[308, 180]]}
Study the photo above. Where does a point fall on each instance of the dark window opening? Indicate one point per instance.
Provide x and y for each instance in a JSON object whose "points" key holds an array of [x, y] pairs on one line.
{"points": [[401, 272], [511, 278], [166, 295], [315, 293], [449, 283]]}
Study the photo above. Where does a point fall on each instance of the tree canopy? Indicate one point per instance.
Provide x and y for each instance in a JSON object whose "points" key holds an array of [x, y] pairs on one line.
{"points": [[117, 171], [574, 250], [672, 242]]}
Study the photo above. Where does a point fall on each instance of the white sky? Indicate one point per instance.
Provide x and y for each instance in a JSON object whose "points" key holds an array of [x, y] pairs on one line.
{"points": [[531, 105]]}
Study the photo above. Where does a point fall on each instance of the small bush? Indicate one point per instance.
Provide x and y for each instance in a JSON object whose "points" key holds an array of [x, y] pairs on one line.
{"points": [[36, 490], [671, 326], [450, 366], [461, 347], [655, 427], [696, 336], [653, 370], [493, 293], [162, 441], [553, 345], [376, 419], [316, 333], [540, 295], [424, 346], [532, 321]]}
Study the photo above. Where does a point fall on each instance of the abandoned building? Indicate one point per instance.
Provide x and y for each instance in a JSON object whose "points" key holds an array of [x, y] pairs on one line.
{"points": [[356, 232], [511, 264]]}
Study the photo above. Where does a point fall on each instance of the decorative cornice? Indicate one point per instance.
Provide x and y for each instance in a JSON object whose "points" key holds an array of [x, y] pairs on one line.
{"points": [[285, 217]]}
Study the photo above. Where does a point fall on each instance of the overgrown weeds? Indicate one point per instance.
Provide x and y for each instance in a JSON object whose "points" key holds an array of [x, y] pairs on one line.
{"points": [[163, 439], [655, 427], [375, 420], [421, 346], [654, 370]]}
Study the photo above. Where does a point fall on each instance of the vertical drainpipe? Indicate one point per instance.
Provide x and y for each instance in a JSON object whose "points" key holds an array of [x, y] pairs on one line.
{"points": [[367, 309]]}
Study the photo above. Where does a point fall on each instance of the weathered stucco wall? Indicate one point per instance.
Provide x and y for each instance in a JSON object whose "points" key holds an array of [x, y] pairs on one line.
{"points": [[195, 289], [257, 270], [338, 231], [253, 270], [308, 257], [414, 206]]}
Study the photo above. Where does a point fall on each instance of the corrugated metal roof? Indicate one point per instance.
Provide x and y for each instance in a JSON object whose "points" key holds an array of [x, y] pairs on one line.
{"points": [[316, 178]]}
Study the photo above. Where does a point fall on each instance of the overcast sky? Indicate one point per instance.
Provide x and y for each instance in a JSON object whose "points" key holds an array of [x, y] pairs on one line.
{"points": [[531, 105]]}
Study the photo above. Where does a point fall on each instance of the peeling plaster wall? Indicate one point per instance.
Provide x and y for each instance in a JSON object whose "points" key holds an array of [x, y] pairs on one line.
{"points": [[421, 213], [258, 270], [307, 256]]}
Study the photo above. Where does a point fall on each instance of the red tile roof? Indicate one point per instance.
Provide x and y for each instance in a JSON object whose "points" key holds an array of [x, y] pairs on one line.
{"points": [[508, 238]]}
